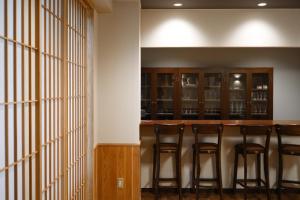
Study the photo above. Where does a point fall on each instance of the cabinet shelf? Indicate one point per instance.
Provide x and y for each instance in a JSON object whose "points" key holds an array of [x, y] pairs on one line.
{"points": [[241, 114], [232, 100], [190, 86], [239, 90], [212, 114], [165, 113], [260, 90], [259, 100], [165, 86], [189, 99], [189, 114], [164, 99], [212, 100], [213, 87]]}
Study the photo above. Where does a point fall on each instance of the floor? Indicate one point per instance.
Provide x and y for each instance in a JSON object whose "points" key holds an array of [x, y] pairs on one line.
{"points": [[213, 196]]}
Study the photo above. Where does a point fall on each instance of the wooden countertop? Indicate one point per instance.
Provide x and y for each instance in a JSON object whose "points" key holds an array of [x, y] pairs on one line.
{"points": [[224, 122]]}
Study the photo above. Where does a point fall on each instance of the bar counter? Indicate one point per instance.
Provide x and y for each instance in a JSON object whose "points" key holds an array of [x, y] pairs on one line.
{"points": [[224, 122]]}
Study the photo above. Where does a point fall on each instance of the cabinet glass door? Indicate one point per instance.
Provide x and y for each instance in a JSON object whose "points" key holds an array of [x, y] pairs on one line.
{"points": [[190, 96], [165, 96], [237, 96], [212, 95], [146, 96], [260, 95]]}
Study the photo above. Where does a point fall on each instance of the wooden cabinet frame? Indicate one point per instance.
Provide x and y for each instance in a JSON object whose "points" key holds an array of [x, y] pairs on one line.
{"points": [[225, 104]]}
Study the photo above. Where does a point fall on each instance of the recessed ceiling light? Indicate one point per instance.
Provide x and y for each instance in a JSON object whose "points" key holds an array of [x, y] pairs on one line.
{"points": [[262, 4], [177, 4]]}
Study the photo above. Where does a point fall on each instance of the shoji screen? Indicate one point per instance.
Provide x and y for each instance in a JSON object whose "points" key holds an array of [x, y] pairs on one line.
{"points": [[42, 99], [63, 99], [18, 99], [52, 116], [76, 59]]}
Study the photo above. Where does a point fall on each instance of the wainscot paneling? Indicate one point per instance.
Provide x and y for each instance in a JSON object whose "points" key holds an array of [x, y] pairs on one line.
{"points": [[112, 161]]}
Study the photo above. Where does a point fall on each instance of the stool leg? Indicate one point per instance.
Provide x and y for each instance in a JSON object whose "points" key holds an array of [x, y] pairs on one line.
{"points": [[154, 170], [266, 167], [219, 174], [197, 175], [157, 175], [258, 174], [245, 176], [179, 174], [236, 159], [193, 170], [280, 174]]}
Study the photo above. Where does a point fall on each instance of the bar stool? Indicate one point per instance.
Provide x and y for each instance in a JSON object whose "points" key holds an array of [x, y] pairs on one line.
{"points": [[162, 147], [286, 149], [207, 148], [247, 148]]}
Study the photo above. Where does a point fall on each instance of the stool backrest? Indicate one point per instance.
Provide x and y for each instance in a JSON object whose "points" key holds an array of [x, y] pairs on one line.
{"points": [[286, 130], [207, 129], [256, 130], [169, 130]]}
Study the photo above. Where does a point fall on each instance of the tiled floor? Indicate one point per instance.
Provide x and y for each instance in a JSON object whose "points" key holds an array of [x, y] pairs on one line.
{"points": [[213, 196]]}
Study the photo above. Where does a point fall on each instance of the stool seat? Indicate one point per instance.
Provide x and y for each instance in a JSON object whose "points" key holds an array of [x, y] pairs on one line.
{"points": [[167, 147], [251, 148], [207, 147], [290, 149]]}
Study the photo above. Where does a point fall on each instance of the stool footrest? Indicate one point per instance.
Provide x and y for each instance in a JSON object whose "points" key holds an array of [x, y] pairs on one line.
{"points": [[207, 179], [167, 187], [288, 181], [207, 187], [241, 182], [296, 183], [167, 179]]}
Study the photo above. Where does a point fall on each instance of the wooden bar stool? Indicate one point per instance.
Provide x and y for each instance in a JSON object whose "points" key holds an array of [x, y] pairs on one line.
{"points": [[161, 147], [247, 148], [207, 148], [286, 149]]}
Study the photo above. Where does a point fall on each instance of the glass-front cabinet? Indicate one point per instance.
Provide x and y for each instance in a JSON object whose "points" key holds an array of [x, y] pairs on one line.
{"points": [[165, 90], [189, 95], [197, 93], [237, 95], [260, 96], [212, 95], [146, 99]]}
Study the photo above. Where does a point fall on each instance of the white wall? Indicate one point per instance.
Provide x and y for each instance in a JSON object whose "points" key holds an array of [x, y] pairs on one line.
{"points": [[221, 28], [117, 74], [286, 64]]}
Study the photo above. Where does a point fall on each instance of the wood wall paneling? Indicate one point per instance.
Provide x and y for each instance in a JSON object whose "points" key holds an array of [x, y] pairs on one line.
{"points": [[112, 161]]}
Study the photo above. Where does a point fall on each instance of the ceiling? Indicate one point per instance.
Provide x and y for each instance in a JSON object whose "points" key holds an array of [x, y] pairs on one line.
{"points": [[218, 4]]}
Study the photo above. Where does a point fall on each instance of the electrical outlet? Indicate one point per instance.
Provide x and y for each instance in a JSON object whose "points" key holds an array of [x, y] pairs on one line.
{"points": [[120, 182]]}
